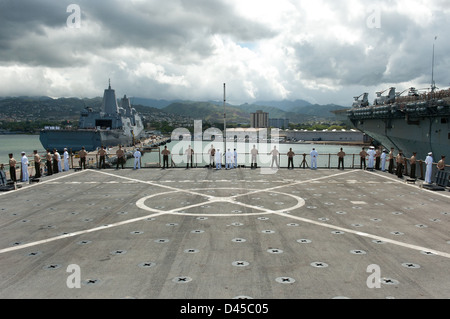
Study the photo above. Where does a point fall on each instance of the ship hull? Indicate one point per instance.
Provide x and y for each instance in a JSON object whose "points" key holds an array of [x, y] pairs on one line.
{"points": [[89, 139], [410, 130]]}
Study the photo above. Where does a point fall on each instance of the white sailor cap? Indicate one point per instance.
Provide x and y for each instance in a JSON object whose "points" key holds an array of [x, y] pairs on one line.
{"points": [[23, 153], [431, 153], [372, 147]]}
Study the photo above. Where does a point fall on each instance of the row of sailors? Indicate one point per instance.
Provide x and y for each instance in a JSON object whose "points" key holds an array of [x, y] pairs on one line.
{"points": [[53, 164]]}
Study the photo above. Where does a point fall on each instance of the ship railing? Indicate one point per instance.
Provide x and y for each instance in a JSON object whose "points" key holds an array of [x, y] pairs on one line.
{"points": [[302, 161]]}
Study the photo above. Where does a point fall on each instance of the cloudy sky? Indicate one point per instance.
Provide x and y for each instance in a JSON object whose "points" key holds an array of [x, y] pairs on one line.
{"points": [[322, 51]]}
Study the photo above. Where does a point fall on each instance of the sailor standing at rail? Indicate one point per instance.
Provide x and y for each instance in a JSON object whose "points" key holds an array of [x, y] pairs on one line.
{"points": [[218, 159], [25, 176], [371, 154], [314, 156], [66, 160], [137, 159], [254, 153], [429, 162], [229, 159], [383, 160]]}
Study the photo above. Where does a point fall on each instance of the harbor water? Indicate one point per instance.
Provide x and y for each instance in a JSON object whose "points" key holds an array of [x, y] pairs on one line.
{"points": [[16, 143]]}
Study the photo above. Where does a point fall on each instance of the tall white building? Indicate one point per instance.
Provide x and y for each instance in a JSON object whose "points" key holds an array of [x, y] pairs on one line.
{"points": [[259, 119]]}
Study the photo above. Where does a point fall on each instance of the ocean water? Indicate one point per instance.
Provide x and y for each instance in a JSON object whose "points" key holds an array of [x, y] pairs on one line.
{"points": [[17, 143]]}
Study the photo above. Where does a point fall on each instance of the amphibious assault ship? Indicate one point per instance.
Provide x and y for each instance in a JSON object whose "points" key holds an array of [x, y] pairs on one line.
{"points": [[111, 126], [418, 122]]}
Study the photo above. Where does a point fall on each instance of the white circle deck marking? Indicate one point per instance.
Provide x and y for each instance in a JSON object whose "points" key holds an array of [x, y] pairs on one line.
{"points": [[282, 213]]}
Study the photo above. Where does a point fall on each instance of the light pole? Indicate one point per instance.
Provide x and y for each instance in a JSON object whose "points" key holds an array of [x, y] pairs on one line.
{"points": [[224, 120]]}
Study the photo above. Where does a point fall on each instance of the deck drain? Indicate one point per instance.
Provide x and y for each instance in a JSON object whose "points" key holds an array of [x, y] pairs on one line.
{"points": [[274, 251], [337, 232], [293, 225], [377, 241], [16, 243], [52, 266], [34, 253], [205, 206], [285, 280], [136, 232], [146, 265], [319, 264], [25, 220], [122, 213], [341, 213], [358, 252], [239, 240], [159, 207], [84, 242], [445, 213], [150, 218], [357, 225], [118, 252], [356, 207], [435, 220], [236, 211], [263, 218], [428, 253], [267, 231], [162, 240], [324, 219], [87, 219], [304, 241], [329, 203], [171, 224], [421, 226], [237, 224], [397, 213], [91, 282], [240, 263], [279, 203], [182, 279], [202, 218], [411, 265], [191, 251], [389, 281], [343, 198], [376, 219], [311, 207], [397, 233], [197, 231]]}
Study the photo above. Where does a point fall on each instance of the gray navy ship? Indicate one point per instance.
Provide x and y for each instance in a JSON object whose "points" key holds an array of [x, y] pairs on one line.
{"points": [[417, 122], [111, 126]]}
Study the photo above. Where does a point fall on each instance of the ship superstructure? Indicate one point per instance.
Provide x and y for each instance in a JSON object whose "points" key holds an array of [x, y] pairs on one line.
{"points": [[111, 126], [418, 122]]}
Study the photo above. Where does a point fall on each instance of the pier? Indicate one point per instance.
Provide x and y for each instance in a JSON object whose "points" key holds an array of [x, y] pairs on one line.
{"points": [[206, 234]]}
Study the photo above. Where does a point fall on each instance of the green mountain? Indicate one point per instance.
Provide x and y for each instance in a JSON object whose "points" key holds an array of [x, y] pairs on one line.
{"points": [[207, 111]]}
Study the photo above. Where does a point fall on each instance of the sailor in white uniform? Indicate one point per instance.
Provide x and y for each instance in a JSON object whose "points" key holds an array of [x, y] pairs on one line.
{"points": [[218, 159], [137, 159], [383, 160], [429, 162], [25, 176], [372, 154], [66, 160], [229, 159], [314, 156]]}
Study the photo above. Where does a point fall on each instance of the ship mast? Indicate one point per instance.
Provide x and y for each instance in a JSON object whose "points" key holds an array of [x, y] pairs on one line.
{"points": [[433, 84]]}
